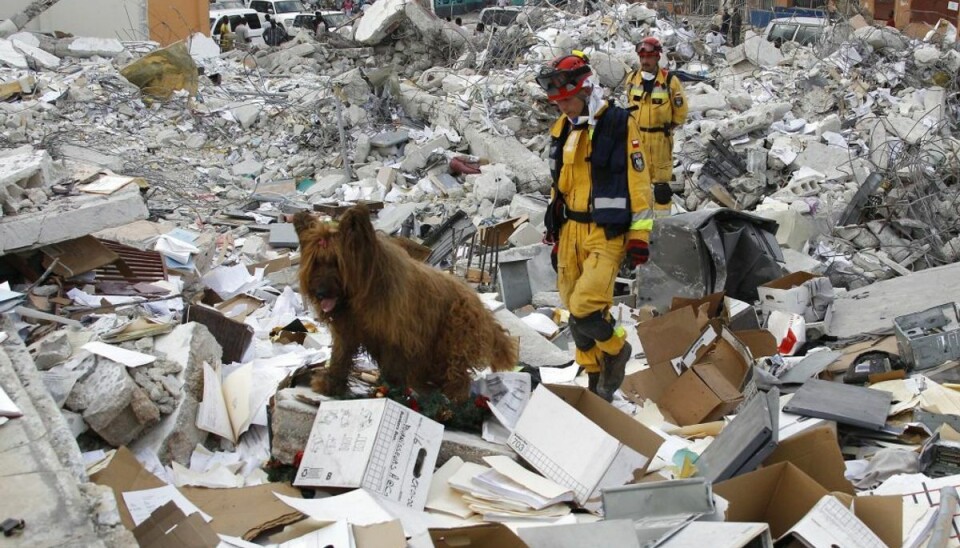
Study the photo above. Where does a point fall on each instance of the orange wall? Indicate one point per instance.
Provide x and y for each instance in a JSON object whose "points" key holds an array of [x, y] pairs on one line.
{"points": [[173, 20]]}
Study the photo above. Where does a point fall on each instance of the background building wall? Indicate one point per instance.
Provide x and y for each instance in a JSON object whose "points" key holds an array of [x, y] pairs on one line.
{"points": [[165, 21]]}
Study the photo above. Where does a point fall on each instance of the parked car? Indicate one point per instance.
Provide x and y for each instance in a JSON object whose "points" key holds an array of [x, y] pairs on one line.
{"points": [[221, 5], [805, 31], [282, 11], [333, 19], [499, 17], [251, 17]]}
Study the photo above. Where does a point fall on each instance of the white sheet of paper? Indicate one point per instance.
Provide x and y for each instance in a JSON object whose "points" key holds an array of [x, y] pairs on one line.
{"points": [[535, 482], [336, 535], [236, 395], [558, 375], [177, 250], [142, 503], [235, 542], [128, 358], [212, 415], [227, 281], [7, 407], [441, 497], [218, 477]]}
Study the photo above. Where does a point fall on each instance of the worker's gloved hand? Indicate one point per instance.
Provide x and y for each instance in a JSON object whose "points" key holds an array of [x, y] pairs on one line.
{"points": [[553, 256], [638, 247]]}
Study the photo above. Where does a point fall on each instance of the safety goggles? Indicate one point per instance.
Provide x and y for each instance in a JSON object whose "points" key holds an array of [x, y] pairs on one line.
{"points": [[646, 50], [561, 82]]}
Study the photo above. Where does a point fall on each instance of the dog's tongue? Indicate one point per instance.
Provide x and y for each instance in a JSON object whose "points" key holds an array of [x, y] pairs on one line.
{"points": [[327, 304]]}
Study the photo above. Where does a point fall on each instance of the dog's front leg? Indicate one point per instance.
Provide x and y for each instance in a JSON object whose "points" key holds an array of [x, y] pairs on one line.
{"points": [[332, 380]]}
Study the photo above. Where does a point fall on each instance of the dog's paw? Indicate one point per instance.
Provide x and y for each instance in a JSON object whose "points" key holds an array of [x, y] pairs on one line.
{"points": [[325, 383]]}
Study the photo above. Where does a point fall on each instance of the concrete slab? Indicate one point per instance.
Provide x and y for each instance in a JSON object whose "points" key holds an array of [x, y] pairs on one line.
{"points": [[871, 309], [71, 218], [283, 235], [535, 350], [378, 21]]}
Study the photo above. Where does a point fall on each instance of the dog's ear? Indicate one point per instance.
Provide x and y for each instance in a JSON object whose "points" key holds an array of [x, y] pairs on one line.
{"points": [[303, 221], [356, 228]]}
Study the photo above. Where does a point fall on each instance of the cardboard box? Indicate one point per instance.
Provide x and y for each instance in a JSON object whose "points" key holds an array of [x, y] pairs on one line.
{"points": [[168, 527], [694, 376], [488, 535], [580, 441], [816, 453], [793, 294], [376, 444], [735, 314], [779, 495]]}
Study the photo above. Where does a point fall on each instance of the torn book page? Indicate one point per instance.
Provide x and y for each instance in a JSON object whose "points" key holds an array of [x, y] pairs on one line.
{"points": [[212, 415], [142, 503], [129, 358]]}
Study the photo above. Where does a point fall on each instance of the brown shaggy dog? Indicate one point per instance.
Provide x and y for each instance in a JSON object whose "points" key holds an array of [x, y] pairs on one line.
{"points": [[426, 330]]}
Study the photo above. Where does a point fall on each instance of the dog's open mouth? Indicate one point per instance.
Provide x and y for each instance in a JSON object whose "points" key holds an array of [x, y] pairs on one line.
{"points": [[328, 304]]}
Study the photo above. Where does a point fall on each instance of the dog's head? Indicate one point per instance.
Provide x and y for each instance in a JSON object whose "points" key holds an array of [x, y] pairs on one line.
{"points": [[336, 258]]}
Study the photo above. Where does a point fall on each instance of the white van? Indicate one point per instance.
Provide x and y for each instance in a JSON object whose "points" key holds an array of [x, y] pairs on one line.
{"points": [[251, 17], [805, 31], [283, 11]]}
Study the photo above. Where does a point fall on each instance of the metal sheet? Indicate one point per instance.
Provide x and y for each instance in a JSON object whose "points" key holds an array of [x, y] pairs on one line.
{"points": [[749, 438], [600, 534], [844, 403], [134, 265], [809, 366]]}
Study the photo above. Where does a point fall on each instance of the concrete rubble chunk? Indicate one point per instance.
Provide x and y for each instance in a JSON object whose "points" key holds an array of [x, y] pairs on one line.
{"points": [[290, 422], [758, 117], [51, 350], [494, 183], [118, 410], [378, 20], [246, 114], [174, 439], [11, 57], [416, 156]]}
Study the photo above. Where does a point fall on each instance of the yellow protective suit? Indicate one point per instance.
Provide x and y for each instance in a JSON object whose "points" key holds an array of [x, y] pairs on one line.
{"points": [[587, 262], [658, 112]]}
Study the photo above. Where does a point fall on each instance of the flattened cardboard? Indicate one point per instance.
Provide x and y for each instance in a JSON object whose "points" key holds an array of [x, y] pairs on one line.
{"points": [[488, 535], [779, 495], [168, 527], [761, 342], [241, 512], [618, 452], [376, 444], [883, 515], [77, 256], [388, 534], [245, 512], [817, 453]]}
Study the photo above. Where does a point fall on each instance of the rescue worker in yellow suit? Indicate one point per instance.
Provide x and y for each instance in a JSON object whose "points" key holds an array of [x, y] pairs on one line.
{"points": [[599, 212], [661, 105]]}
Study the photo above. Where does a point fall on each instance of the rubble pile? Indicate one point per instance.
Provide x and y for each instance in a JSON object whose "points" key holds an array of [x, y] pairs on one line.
{"points": [[796, 325]]}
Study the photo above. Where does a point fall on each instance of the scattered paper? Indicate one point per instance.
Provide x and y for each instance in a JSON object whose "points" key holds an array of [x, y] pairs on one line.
{"points": [[559, 375], [336, 535], [829, 523], [128, 358], [142, 503], [534, 482], [7, 407], [175, 248], [441, 498]]}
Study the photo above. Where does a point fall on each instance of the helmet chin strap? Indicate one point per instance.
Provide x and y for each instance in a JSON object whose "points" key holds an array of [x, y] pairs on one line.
{"points": [[594, 103]]}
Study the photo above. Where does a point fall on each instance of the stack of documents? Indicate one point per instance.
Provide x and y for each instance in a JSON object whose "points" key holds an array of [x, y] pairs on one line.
{"points": [[506, 491]]}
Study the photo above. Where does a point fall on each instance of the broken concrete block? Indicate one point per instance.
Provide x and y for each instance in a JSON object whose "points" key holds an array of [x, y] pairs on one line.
{"points": [[93, 157], [118, 409], [494, 183], [39, 57], [525, 234], [534, 349], [378, 21], [760, 52], [11, 57], [353, 86], [27, 168], [417, 155], [174, 439], [88, 46], [706, 101], [246, 115], [531, 172], [833, 162], [53, 349], [71, 218], [389, 139], [290, 423], [794, 229], [470, 448], [533, 206], [758, 117], [327, 185], [739, 101], [908, 129], [609, 69]]}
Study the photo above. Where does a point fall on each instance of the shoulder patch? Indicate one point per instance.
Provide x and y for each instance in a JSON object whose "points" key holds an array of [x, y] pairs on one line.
{"points": [[678, 100], [636, 160]]}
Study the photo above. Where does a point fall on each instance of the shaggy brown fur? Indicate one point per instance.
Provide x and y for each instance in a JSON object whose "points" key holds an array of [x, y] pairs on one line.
{"points": [[426, 330]]}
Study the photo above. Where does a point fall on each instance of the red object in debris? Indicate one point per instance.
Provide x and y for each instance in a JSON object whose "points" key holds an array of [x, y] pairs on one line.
{"points": [[297, 459], [463, 166]]}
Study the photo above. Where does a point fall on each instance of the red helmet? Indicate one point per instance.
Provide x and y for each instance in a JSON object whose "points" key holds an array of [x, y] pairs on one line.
{"points": [[565, 76], [649, 47]]}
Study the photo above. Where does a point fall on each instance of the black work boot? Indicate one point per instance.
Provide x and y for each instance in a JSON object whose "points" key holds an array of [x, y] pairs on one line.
{"points": [[612, 372], [592, 380]]}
